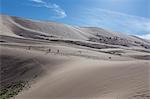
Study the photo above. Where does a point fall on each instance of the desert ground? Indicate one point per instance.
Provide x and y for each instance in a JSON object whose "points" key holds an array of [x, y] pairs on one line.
{"points": [[48, 60]]}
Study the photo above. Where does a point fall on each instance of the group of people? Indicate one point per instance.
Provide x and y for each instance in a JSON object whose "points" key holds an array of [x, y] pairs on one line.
{"points": [[48, 51], [58, 51]]}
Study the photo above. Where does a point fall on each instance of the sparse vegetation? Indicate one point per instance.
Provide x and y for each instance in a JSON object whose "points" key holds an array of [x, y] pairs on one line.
{"points": [[12, 89], [142, 95], [111, 40]]}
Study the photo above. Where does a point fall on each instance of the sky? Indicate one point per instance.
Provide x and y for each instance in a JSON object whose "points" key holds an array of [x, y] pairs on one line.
{"points": [[128, 16]]}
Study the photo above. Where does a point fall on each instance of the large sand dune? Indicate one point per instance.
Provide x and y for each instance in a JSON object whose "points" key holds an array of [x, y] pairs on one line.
{"points": [[59, 61]]}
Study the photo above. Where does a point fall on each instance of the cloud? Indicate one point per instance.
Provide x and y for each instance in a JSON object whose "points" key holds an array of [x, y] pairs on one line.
{"points": [[60, 13], [37, 1], [146, 36], [116, 21]]}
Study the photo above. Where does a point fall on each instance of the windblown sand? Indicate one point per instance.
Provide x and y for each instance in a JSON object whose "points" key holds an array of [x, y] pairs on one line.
{"points": [[64, 62]]}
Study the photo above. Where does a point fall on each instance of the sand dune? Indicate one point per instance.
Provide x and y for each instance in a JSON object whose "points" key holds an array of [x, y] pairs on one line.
{"points": [[48, 60], [93, 80]]}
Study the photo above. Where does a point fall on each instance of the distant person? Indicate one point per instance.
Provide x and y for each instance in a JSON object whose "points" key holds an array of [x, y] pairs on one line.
{"points": [[58, 51], [109, 57], [29, 48], [49, 50]]}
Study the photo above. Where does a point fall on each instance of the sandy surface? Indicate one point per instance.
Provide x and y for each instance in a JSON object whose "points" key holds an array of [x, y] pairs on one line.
{"points": [[93, 80], [64, 62]]}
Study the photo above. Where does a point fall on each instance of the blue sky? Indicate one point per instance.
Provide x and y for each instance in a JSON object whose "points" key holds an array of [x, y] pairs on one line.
{"points": [[128, 16]]}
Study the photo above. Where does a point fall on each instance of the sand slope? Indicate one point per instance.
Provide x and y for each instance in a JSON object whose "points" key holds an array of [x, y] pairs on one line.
{"points": [[93, 80], [60, 61]]}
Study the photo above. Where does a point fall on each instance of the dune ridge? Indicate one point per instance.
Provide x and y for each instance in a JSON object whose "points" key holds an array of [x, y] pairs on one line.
{"points": [[60, 61]]}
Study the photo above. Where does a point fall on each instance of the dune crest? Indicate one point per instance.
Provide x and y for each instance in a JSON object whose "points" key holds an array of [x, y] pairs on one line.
{"points": [[59, 61]]}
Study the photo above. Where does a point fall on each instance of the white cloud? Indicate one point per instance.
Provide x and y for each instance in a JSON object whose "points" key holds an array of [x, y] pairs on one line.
{"points": [[37, 1], [60, 13], [116, 21], [146, 36]]}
